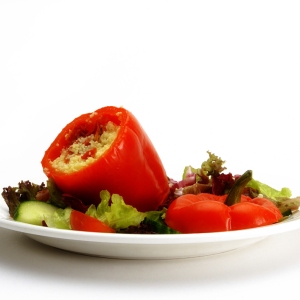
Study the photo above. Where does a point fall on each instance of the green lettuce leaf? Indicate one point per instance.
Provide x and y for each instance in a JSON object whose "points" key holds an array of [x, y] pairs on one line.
{"points": [[113, 211], [268, 191], [156, 220], [60, 219]]}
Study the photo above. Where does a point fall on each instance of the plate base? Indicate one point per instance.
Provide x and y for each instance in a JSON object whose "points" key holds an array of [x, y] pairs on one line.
{"points": [[140, 251]]}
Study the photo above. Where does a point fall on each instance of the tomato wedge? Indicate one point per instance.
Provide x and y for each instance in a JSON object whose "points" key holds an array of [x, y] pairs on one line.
{"points": [[82, 222]]}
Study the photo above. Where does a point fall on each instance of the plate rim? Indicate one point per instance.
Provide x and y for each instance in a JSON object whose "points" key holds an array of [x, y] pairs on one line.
{"points": [[291, 223]]}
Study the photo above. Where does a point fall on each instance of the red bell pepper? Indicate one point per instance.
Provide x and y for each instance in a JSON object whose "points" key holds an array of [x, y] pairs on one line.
{"points": [[192, 214], [209, 213], [255, 212], [130, 166], [195, 214]]}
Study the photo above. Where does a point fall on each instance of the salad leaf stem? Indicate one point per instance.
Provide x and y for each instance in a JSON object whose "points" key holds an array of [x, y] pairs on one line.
{"points": [[235, 193]]}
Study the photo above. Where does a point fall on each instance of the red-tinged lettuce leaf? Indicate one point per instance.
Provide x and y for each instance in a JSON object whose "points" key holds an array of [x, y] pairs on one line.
{"points": [[75, 203], [25, 191], [222, 183]]}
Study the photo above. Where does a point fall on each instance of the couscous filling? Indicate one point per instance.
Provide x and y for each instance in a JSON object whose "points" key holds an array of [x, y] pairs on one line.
{"points": [[85, 150]]}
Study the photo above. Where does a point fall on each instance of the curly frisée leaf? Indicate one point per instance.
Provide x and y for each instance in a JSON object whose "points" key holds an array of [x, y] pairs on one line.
{"points": [[113, 211], [213, 165]]}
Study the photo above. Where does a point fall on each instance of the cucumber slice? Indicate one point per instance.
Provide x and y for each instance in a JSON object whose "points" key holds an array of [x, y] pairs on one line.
{"points": [[34, 212]]}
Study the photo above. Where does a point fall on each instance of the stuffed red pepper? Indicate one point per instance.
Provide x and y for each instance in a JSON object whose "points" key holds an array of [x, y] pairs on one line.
{"points": [[107, 150]]}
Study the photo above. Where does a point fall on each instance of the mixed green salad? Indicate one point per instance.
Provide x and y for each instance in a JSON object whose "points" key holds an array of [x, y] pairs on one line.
{"points": [[46, 205]]}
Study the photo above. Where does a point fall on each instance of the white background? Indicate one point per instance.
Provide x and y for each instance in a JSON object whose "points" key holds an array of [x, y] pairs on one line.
{"points": [[199, 75]]}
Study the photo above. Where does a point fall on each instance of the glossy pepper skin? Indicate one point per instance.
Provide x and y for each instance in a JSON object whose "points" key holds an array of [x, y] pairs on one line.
{"points": [[209, 213], [131, 167]]}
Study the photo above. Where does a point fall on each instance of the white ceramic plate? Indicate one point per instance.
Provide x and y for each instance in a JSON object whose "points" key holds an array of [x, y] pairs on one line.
{"points": [[138, 246]]}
